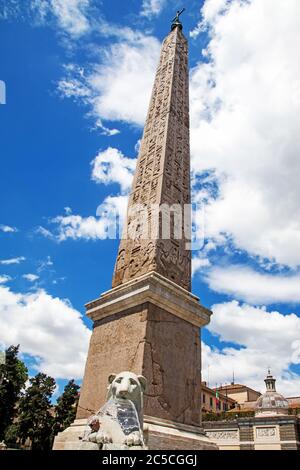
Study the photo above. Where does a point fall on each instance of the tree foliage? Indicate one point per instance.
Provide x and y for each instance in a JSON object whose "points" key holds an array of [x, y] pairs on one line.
{"points": [[65, 409], [13, 376], [11, 435], [27, 415], [226, 416], [35, 420]]}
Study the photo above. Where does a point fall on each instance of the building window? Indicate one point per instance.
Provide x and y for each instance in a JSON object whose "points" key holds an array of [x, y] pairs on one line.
{"points": [[211, 402], [203, 398]]}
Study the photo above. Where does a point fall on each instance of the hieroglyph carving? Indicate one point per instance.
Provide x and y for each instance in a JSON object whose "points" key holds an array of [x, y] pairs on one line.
{"points": [[162, 178]]}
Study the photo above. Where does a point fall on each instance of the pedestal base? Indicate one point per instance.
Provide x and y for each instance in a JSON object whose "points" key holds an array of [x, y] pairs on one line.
{"points": [[149, 326], [162, 434], [159, 435]]}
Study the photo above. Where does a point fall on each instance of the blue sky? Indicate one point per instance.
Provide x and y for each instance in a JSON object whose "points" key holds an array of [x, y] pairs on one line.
{"points": [[78, 78]]}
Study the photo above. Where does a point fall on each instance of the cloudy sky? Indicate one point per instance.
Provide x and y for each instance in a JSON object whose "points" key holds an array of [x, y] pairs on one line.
{"points": [[78, 76]]}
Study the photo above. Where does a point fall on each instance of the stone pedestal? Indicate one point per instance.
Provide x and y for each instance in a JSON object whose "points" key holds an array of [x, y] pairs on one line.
{"points": [[70, 438], [149, 326], [162, 434], [159, 434]]}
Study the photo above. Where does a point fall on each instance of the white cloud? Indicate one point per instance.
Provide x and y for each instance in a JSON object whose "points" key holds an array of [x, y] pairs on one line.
{"points": [[9, 261], [122, 92], [244, 126], [210, 10], [108, 224], [68, 210], [246, 284], [266, 339], [198, 263], [78, 227], [44, 232], [4, 279], [40, 9], [45, 264], [117, 88], [111, 166], [30, 277], [8, 229], [152, 7], [74, 86], [10, 8], [46, 327], [71, 15], [138, 146], [105, 130]]}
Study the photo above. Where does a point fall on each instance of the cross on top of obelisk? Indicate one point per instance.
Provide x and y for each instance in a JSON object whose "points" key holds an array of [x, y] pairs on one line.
{"points": [[176, 23]]}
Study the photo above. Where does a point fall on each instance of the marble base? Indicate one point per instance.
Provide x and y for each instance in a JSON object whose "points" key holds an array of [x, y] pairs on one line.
{"points": [[159, 434], [162, 434], [149, 326]]}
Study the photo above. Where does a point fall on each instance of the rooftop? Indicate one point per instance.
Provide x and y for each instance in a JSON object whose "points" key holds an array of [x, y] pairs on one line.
{"points": [[235, 387], [213, 392]]}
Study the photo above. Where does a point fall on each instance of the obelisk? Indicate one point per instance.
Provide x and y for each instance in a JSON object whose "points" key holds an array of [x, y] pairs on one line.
{"points": [[162, 177], [149, 322]]}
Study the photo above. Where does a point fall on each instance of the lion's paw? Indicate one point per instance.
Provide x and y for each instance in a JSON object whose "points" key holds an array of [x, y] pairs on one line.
{"points": [[133, 439], [103, 438]]}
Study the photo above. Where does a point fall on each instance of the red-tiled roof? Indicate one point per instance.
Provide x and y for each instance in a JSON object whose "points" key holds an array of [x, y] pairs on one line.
{"points": [[234, 387]]}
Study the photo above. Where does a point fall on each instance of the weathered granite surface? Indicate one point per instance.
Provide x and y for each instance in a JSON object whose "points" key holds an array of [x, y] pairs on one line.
{"points": [[162, 176], [156, 344]]}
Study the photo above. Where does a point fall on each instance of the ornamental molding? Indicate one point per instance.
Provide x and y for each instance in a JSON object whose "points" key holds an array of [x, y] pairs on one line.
{"points": [[223, 435], [266, 432]]}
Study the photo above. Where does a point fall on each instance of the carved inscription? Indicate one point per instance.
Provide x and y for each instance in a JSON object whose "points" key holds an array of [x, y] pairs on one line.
{"points": [[222, 435], [162, 175], [266, 432]]}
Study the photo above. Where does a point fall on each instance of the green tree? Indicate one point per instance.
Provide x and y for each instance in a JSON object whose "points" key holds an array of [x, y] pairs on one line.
{"points": [[11, 435], [65, 410], [35, 420], [13, 375]]}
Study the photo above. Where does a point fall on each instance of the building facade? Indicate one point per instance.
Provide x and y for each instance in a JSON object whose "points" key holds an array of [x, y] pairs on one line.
{"points": [[239, 393], [215, 401], [272, 426]]}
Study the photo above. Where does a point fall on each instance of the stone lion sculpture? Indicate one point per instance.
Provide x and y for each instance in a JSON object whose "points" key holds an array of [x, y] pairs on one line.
{"points": [[3, 446], [119, 423]]}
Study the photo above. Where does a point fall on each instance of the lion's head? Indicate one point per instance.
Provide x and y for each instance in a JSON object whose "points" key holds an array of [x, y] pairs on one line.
{"points": [[127, 386]]}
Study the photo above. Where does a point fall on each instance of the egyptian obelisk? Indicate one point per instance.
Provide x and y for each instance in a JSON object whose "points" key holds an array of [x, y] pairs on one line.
{"points": [[162, 176], [149, 322]]}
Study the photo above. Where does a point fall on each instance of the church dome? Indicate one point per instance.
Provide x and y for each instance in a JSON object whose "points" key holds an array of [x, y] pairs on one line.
{"points": [[271, 402]]}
